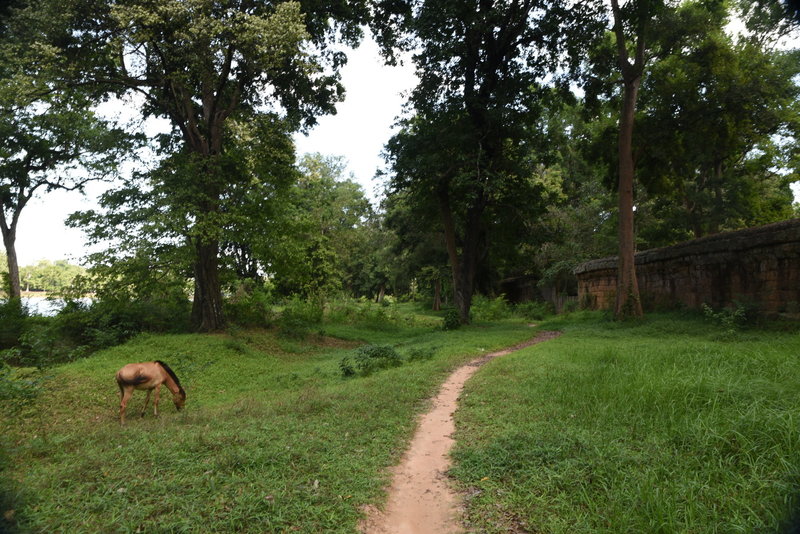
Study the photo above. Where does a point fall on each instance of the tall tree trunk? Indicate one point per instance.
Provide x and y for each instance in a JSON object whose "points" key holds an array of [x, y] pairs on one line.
{"points": [[207, 304], [628, 302], [9, 242], [462, 298], [207, 315], [437, 294]]}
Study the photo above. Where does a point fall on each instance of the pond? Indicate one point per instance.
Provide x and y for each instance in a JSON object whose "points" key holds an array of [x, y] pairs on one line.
{"points": [[46, 307]]}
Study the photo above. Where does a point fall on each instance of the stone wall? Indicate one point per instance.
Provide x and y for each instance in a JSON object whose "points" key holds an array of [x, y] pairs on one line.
{"points": [[757, 265]]}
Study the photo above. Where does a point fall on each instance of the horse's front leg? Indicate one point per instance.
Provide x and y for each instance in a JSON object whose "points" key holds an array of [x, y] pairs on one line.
{"points": [[146, 400]]}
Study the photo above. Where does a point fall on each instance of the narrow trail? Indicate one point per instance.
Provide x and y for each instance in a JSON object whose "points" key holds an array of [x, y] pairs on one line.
{"points": [[420, 499]]}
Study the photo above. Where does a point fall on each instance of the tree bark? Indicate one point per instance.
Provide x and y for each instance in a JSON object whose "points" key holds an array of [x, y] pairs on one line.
{"points": [[9, 242], [628, 302], [207, 313], [462, 290]]}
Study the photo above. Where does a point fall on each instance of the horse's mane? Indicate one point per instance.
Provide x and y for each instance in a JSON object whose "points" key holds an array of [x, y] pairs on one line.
{"points": [[172, 374]]}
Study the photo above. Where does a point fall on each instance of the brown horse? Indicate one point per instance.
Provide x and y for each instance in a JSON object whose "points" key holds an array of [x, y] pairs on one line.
{"points": [[149, 376]]}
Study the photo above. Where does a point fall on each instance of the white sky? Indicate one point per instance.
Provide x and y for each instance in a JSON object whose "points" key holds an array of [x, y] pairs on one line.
{"points": [[357, 132]]}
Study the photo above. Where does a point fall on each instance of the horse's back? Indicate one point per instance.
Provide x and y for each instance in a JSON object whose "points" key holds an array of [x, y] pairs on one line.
{"points": [[144, 375]]}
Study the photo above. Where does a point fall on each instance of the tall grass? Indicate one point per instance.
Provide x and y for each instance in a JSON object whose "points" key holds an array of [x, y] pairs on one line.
{"points": [[661, 426]]}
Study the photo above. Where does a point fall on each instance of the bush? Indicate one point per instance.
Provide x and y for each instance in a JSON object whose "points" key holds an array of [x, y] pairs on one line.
{"points": [[250, 308], [452, 320], [733, 318], [13, 315], [534, 310], [486, 309], [299, 317], [384, 316], [370, 358]]}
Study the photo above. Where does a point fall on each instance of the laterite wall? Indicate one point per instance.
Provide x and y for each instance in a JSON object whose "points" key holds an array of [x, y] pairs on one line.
{"points": [[758, 265]]}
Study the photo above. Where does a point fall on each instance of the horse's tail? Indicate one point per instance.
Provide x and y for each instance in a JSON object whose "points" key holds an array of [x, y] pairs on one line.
{"points": [[172, 374], [135, 381]]}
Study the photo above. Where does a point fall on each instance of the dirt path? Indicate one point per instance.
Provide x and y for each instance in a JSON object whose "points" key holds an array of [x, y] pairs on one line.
{"points": [[420, 500]]}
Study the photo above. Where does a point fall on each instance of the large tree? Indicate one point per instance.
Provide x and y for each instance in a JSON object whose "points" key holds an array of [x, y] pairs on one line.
{"points": [[715, 127], [49, 136], [201, 63], [466, 149]]}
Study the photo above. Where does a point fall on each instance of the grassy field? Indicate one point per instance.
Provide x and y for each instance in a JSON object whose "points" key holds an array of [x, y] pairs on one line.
{"points": [[671, 425], [273, 438]]}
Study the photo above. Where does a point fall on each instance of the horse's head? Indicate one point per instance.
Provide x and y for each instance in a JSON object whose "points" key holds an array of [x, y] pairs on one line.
{"points": [[179, 399]]}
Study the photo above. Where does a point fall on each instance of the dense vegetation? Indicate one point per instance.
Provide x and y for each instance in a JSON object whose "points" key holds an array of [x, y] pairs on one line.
{"points": [[508, 163]]}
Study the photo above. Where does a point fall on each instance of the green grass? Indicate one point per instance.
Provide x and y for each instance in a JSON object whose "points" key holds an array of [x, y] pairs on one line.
{"points": [[272, 439], [670, 425]]}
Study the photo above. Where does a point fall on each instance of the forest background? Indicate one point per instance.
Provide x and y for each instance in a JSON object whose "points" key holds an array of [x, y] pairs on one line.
{"points": [[506, 163]]}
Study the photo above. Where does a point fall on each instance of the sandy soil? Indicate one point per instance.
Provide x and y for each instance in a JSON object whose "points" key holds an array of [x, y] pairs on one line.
{"points": [[420, 499]]}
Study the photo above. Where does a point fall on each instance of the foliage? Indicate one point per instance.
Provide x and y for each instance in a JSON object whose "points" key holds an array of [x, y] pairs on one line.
{"points": [[323, 230], [52, 277], [299, 316], [490, 309], [80, 328], [468, 151], [251, 307], [716, 158], [733, 318], [370, 358], [451, 320], [534, 310], [13, 315], [367, 314], [236, 64]]}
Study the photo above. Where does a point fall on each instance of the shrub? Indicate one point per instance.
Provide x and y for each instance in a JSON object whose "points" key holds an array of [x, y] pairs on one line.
{"points": [[486, 309], [299, 317], [13, 315], [733, 318], [250, 308], [346, 366], [570, 306], [370, 358], [452, 320], [534, 310]]}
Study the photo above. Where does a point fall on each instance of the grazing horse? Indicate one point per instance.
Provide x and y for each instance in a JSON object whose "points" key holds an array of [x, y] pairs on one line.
{"points": [[149, 376]]}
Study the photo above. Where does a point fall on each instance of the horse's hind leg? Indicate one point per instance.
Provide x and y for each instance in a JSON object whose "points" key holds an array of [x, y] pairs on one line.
{"points": [[155, 400], [146, 400], [123, 403]]}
